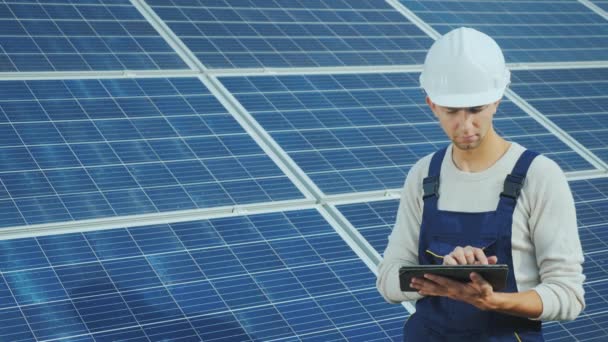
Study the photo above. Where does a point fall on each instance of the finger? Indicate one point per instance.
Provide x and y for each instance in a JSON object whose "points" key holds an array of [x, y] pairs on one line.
{"points": [[458, 254], [440, 281], [481, 283], [492, 260], [476, 278], [469, 255], [449, 260], [424, 287], [480, 256]]}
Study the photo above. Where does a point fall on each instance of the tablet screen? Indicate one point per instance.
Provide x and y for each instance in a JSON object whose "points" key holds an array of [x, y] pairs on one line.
{"points": [[496, 275]]}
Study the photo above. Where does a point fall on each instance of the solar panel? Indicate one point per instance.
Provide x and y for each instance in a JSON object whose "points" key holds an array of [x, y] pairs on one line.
{"points": [[66, 36], [261, 33], [284, 275], [84, 149], [527, 31], [361, 132], [375, 220], [574, 99]]}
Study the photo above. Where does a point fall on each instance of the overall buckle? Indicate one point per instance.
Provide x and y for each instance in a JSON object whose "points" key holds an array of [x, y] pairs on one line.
{"points": [[512, 186], [430, 185]]}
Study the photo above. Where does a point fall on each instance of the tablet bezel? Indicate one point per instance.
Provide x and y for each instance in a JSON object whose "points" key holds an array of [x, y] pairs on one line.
{"points": [[496, 275]]}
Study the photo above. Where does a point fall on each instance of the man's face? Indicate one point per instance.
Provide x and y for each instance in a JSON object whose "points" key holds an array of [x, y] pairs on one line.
{"points": [[466, 127]]}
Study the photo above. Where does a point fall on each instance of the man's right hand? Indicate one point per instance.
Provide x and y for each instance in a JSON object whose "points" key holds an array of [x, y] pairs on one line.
{"points": [[468, 256]]}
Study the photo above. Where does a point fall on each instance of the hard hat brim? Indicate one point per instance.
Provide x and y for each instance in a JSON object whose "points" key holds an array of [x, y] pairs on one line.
{"points": [[468, 100]]}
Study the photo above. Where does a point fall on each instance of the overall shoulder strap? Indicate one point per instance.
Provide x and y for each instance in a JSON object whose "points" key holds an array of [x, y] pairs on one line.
{"points": [[514, 182], [430, 184]]}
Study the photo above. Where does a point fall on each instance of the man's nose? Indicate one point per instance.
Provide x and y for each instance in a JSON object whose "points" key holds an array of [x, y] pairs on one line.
{"points": [[465, 118]]}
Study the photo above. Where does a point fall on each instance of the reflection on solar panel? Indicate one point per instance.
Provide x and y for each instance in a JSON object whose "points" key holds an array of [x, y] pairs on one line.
{"points": [[527, 31], [261, 277], [375, 220], [353, 133], [80, 35], [262, 33], [575, 99], [98, 148]]}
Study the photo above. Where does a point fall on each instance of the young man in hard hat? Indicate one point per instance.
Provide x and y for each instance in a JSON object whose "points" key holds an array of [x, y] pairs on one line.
{"points": [[482, 200]]}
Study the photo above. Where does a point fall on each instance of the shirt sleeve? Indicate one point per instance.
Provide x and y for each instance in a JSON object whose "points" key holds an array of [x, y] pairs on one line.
{"points": [[554, 234], [402, 248]]}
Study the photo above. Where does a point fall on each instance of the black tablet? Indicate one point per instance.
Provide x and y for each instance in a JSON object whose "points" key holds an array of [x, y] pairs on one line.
{"points": [[496, 275]]}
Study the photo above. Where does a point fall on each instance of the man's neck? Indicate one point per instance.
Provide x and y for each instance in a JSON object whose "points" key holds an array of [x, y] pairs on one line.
{"points": [[491, 149]]}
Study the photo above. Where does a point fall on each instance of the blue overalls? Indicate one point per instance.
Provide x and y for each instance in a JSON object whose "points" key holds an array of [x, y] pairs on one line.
{"points": [[443, 319]]}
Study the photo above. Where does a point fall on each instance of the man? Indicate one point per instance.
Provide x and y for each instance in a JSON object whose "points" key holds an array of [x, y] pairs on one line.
{"points": [[482, 200]]}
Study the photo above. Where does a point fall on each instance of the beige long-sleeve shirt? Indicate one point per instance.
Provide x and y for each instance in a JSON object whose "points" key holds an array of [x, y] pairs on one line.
{"points": [[547, 254]]}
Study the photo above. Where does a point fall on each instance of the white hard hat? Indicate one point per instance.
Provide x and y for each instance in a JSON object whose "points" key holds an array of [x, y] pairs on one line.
{"points": [[464, 68]]}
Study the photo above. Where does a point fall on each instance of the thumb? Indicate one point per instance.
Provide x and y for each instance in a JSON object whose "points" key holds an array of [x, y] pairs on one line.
{"points": [[492, 260]]}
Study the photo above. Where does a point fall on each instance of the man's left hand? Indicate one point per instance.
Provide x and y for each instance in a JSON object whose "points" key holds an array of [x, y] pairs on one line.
{"points": [[478, 292]]}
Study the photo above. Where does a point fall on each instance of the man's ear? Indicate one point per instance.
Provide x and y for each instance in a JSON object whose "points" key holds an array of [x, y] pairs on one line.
{"points": [[496, 104], [432, 105]]}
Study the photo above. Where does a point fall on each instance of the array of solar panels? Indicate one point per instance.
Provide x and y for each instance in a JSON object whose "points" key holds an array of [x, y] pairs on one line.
{"points": [[100, 148], [284, 275]]}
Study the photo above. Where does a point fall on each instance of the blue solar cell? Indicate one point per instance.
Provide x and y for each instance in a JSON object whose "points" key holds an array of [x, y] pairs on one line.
{"points": [[42, 209], [175, 268], [87, 206], [43, 320], [152, 305], [362, 132], [35, 286], [54, 156], [103, 35], [155, 239], [84, 280], [66, 249], [21, 254], [14, 327], [101, 313], [132, 273]]}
